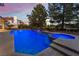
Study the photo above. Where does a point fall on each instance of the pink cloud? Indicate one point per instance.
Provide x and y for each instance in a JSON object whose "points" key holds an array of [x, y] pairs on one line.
{"points": [[12, 7]]}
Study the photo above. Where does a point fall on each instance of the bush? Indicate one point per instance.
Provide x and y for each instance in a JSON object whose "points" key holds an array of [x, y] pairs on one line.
{"points": [[10, 27], [22, 26]]}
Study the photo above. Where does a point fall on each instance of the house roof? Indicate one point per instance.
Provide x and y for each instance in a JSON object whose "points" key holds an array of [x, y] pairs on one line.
{"points": [[6, 18]]}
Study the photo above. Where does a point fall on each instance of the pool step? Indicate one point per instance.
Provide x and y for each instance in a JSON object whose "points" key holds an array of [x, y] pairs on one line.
{"points": [[64, 49], [72, 45], [50, 52]]}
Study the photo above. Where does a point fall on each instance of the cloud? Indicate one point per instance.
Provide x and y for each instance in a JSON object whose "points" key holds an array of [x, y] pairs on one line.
{"points": [[13, 7], [17, 9]]}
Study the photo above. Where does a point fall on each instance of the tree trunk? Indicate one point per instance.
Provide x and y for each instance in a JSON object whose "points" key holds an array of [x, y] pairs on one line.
{"points": [[62, 24], [63, 19]]}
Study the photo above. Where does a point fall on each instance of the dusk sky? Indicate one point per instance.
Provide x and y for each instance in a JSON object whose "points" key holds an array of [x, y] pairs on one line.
{"points": [[17, 9]]}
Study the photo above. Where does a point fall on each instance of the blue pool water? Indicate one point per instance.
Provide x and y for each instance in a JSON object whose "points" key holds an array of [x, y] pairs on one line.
{"points": [[29, 41], [62, 36], [34, 41]]}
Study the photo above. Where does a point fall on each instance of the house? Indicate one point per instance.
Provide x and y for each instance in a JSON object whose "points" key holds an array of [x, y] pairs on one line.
{"points": [[26, 21], [6, 21], [50, 22]]}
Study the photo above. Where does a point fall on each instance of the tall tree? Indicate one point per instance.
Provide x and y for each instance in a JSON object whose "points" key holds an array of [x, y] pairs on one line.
{"points": [[76, 14], [61, 11], [38, 16]]}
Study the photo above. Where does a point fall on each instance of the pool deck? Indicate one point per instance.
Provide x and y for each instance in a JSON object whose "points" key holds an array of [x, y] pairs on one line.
{"points": [[7, 48], [3, 30], [6, 44]]}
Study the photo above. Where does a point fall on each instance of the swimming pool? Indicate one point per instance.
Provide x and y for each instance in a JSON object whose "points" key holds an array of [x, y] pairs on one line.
{"points": [[34, 41], [62, 36], [30, 41]]}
